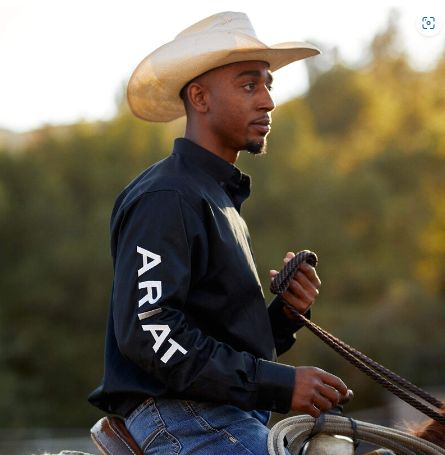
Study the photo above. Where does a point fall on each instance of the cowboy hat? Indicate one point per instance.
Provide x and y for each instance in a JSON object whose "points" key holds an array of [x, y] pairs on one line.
{"points": [[221, 39]]}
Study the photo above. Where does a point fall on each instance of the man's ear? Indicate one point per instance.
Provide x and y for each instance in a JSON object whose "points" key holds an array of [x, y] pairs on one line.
{"points": [[197, 97]]}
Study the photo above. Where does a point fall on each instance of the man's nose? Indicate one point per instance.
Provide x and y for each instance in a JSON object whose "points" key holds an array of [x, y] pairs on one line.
{"points": [[267, 103]]}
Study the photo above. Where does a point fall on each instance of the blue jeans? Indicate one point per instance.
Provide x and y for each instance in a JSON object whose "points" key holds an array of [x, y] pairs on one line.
{"points": [[168, 427]]}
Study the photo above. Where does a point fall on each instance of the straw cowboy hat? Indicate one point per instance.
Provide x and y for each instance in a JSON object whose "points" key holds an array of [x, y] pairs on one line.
{"points": [[153, 89]]}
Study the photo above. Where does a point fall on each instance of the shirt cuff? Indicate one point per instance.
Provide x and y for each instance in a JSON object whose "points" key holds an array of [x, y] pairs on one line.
{"points": [[279, 319], [275, 386]]}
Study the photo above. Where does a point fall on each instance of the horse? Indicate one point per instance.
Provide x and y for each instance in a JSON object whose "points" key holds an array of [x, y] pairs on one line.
{"points": [[430, 430]]}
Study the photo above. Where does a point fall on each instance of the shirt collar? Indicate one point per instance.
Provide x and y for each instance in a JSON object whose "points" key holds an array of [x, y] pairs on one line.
{"points": [[229, 177]]}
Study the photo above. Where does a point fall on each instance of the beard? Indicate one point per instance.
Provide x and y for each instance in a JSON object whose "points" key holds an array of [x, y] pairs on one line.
{"points": [[256, 147]]}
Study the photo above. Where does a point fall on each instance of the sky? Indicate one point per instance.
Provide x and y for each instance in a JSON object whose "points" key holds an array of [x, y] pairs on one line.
{"points": [[62, 61]]}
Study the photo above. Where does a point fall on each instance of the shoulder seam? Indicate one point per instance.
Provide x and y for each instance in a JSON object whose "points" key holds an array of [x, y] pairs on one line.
{"points": [[167, 190]]}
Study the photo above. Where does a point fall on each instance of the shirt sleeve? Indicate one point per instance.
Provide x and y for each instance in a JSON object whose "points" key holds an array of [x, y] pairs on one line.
{"points": [[158, 238]]}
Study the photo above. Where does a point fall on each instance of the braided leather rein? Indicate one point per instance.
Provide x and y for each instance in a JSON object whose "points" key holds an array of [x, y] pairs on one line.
{"points": [[382, 375]]}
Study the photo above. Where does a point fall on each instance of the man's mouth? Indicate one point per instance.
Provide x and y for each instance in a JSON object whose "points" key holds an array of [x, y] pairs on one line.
{"points": [[262, 125]]}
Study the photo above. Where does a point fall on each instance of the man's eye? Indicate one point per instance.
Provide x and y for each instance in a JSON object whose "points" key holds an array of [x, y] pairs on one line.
{"points": [[250, 86], [269, 87]]}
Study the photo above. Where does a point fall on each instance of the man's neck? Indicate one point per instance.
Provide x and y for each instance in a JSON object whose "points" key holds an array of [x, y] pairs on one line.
{"points": [[212, 146]]}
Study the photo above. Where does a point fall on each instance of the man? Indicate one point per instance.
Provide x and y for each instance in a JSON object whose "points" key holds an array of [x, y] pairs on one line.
{"points": [[191, 346]]}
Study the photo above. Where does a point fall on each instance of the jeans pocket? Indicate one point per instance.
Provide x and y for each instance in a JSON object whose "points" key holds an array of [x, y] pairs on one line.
{"points": [[148, 429], [140, 409], [161, 442]]}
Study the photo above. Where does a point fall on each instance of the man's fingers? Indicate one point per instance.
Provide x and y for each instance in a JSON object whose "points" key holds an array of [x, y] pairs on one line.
{"points": [[288, 257], [346, 399], [306, 275], [301, 278], [322, 403], [336, 383], [310, 273], [317, 390], [305, 269], [299, 297], [331, 394], [303, 287], [272, 274], [313, 411]]}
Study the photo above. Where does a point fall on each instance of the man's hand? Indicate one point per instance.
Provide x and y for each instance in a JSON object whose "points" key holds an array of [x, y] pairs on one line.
{"points": [[316, 391], [303, 287]]}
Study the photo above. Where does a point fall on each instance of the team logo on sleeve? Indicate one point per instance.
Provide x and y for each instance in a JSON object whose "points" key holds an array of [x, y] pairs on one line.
{"points": [[153, 293]]}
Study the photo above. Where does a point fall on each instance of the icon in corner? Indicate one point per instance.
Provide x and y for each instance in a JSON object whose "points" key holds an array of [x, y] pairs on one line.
{"points": [[429, 25], [428, 22]]}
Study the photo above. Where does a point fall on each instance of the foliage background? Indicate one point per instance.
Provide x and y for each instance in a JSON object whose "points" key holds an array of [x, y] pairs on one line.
{"points": [[355, 171]]}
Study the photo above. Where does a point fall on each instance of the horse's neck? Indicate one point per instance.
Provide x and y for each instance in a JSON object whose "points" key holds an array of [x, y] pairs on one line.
{"points": [[433, 432]]}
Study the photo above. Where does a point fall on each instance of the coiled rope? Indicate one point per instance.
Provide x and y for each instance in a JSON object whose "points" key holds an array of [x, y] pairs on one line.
{"points": [[297, 430], [382, 375]]}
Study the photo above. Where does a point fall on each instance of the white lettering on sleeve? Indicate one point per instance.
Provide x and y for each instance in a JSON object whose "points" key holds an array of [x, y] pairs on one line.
{"points": [[149, 314], [146, 265], [149, 286], [172, 349], [154, 329], [159, 332]]}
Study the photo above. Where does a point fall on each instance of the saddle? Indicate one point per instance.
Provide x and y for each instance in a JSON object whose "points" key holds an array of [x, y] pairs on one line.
{"points": [[112, 437]]}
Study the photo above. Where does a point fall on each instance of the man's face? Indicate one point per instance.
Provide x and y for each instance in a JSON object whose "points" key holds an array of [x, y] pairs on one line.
{"points": [[239, 105]]}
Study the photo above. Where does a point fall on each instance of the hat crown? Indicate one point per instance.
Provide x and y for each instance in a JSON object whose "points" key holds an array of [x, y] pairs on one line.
{"points": [[226, 22], [222, 39]]}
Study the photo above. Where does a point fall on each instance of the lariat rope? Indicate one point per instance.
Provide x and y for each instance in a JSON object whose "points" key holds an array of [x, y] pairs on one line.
{"points": [[298, 429], [383, 376]]}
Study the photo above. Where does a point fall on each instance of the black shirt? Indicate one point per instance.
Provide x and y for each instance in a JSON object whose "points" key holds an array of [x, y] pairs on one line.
{"points": [[187, 315]]}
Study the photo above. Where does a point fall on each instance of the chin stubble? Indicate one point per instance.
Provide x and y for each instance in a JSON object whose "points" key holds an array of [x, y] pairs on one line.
{"points": [[256, 148]]}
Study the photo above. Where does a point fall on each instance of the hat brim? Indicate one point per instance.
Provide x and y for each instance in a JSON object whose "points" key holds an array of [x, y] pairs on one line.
{"points": [[153, 89]]}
